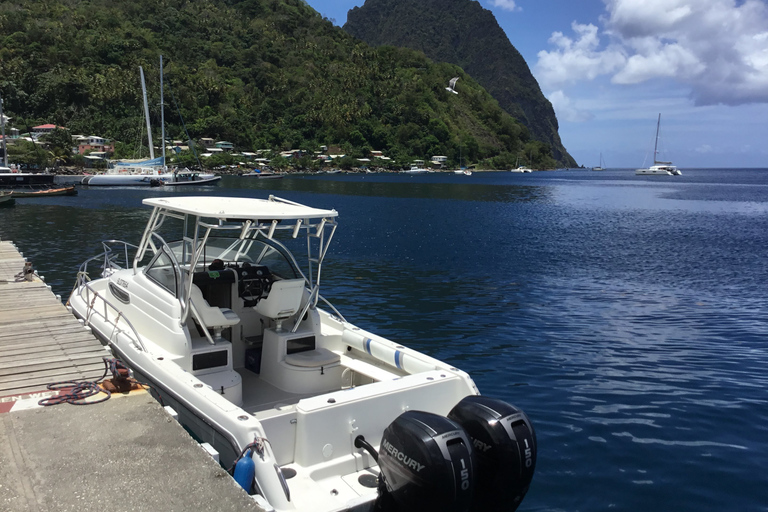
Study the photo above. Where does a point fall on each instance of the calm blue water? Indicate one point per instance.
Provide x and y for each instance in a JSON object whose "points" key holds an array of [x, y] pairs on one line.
{"points": [[626, 315]]}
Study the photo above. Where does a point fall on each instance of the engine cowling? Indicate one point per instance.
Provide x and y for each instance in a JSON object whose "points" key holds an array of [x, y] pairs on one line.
{"points": [[504, 444], [426, 465]]}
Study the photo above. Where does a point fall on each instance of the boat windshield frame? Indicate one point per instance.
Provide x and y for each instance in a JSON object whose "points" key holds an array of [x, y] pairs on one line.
{"points": [[199, 224]]}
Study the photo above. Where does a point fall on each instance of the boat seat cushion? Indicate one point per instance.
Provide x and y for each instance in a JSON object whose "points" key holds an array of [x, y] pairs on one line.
{"points": [[212, 316], [312, 358]]}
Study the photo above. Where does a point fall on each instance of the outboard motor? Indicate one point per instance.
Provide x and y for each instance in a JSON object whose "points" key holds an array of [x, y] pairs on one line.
{"points": [[505, 451], [426, 465]]}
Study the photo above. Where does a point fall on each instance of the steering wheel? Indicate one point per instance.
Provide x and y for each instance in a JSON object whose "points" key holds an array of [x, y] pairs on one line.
{"points": [[256, 281]]}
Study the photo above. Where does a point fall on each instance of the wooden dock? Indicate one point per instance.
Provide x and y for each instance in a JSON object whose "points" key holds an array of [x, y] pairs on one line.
{"points": [[40, 341], [123, 455]]}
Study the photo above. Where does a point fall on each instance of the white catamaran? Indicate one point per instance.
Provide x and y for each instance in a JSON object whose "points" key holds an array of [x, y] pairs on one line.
{"points": [[659, 168], [311, 412]]}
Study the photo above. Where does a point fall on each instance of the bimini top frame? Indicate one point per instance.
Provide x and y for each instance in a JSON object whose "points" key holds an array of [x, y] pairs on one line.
{"points": [[245, 219]]}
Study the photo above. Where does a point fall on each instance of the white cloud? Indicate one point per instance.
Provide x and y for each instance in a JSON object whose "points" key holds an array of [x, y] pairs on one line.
{"points": [[704, 148], [717, 48], [577, 59], [507, 5], [566, 110]]}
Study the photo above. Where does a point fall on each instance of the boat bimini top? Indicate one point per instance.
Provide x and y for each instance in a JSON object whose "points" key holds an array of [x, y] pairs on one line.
{"points": [[242, 208], [248, 229]]}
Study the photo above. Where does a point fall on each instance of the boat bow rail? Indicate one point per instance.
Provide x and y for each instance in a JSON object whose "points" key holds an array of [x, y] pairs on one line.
{"points": [[98, 305]]}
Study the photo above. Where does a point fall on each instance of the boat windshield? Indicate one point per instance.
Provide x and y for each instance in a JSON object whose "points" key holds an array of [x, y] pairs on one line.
{"points": [[235, 252]]}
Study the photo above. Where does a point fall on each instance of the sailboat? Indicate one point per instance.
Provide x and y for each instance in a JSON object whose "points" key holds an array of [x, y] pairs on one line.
{"points": [[152, 172], [600, 167], [658, 167]]}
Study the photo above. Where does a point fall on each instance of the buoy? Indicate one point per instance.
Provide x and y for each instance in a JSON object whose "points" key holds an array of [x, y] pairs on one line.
{"points": [[245, 469]]}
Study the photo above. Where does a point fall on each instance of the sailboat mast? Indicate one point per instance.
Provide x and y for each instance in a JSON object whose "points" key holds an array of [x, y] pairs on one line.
{"points": [[146, 115], [162, 110], [656, 145]]}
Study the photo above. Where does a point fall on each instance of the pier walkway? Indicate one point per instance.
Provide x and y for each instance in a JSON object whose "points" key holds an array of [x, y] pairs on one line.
{"points": [[40, 341], [125, 454]]}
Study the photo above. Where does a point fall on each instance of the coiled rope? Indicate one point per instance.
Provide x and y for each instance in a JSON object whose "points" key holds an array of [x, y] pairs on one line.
{"points": [[79, 390]]}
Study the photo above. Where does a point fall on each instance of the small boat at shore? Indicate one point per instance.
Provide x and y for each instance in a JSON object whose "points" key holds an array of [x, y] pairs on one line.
{"points": [[187, 177], [219, 309], [6, 198], [45, 192]]}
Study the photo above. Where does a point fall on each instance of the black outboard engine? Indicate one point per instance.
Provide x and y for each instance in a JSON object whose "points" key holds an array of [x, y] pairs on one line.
{"points": [[426, 465], [505, 451]]}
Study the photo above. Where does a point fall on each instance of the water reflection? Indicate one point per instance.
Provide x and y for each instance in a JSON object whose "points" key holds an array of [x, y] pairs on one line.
{"points": [[401, 186]]}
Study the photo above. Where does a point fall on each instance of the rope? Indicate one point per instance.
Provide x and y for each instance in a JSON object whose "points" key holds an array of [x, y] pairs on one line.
{"points": [[80, 390]]}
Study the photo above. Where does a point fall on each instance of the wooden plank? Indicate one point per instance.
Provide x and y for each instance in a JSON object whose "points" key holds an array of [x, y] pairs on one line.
{"points": [[40, 340], [19, 356], [41, 381], [15, 364], [42, 344], [90, 371], [13, 334]]}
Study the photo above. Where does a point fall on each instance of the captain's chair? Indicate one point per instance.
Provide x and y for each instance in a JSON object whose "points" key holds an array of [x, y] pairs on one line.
{"points": [[211, 316], [283, 301]]}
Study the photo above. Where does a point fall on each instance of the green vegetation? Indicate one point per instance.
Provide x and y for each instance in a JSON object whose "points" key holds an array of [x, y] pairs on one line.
{"points": [[462, 32], [260, 73]]}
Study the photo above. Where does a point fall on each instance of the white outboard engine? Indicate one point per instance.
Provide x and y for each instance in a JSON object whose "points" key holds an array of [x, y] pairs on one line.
{"points": [[505, 451], [426, 465]]}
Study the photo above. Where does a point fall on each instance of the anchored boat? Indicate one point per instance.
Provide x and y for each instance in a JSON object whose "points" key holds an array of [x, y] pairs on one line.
{"points": [[311, 412]]}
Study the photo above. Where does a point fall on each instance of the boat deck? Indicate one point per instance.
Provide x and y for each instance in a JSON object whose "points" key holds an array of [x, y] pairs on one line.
{"points": [[261, 396]]}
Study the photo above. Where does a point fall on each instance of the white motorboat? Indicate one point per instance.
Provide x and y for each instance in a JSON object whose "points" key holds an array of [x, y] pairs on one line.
{"points": [[187, 177], [659, 168], [312, 412], [416, 170]]}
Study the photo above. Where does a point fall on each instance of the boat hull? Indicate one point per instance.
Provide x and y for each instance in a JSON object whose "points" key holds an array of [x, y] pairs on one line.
{"points": [[295, 431], [203, 179], [24, 179], [123, 180]]}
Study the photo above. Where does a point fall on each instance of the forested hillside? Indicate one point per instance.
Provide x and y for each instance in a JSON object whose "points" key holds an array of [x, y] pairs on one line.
{"points": [[259, 73], [462, 32]]}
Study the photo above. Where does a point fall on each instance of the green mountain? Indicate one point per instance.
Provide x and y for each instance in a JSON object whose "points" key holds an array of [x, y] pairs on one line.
{"points": [[259, 73], [462, 32]]}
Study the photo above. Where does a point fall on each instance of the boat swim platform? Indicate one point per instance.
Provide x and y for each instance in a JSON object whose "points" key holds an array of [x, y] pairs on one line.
{"points": [[124, 454]]}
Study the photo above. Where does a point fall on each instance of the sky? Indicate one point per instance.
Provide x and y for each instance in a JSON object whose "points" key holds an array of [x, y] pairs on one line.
{"points": [[610, 67]]}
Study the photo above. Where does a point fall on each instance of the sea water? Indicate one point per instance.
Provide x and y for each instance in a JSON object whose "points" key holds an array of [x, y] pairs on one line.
{"points": [[625, 314]]}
